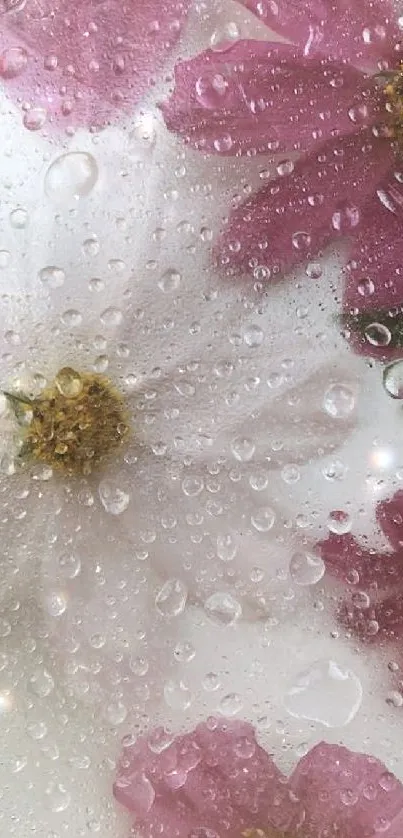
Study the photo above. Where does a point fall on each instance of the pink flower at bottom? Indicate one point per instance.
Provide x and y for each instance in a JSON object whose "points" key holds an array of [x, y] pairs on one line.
{"points": [[372, 606], [78, 64], [325, 99], [217, 781]]}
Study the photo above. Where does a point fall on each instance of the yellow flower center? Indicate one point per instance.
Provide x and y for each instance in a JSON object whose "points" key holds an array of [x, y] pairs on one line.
{"points": [[393, 91], [75, 424]]}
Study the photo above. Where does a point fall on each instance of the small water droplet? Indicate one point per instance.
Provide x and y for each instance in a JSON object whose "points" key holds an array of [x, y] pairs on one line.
{"points": [[19, 218], [393, 380], [171, 599], [58, 798], [301, 241], [227, 547], [223, 608], [71, 318], [339, 522], [41, 683], [263, 519], [114, 499], [230, 704], [34, 119], [211, 90], [52, 277], [13, 62], [116, 713], [243, 449], [69, 565], [306, 568], [253, 336], [325, 693], [366, 287], [339, 401], [377, 334], [112, 316], [170, 280], [69, 383], [71, 177], [177, 695]]}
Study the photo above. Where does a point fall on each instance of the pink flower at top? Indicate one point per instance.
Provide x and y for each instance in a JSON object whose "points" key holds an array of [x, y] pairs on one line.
{"points": [[70, 64], [217, 781], [372, 606], [335, 99]]}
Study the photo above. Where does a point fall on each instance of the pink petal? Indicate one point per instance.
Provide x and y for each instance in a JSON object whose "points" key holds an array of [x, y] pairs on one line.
{"points": [[361, 568], [83, 62], [261, 97], [348, 793], [389, 514], [374, 276], [216, 778], [296, 216], [356, 30]]}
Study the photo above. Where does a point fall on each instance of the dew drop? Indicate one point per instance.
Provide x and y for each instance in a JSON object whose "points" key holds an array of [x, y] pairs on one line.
{"points": [[71, 177], [170, 281], [325, 693], [177, 695], [393, 380], [263, 519], [226, 547], [52, 277], [69, 383], [114, 499], [339, 522], [378, 335], [243, 449], [253, 336], [223, 608], [34, 119], [230, 704], [171, 599], [58, 798], [339, 401], [19, 218], [225, 36], [211, 90], [41, 683], [366, 287], [306, 568], [13, 62]]}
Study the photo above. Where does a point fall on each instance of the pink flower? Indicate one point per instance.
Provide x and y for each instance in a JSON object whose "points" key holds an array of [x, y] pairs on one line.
{"points": [[217, 781], [373, 605], [315, 100], [79, 63]]}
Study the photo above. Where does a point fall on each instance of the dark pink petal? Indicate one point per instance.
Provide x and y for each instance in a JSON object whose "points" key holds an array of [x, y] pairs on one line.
{"points": [[356, 30], [389, 515], [82, 62], [296, 216], [348, 561], [373, 621], [216, 778], [374, 275], [263, 97], [346, 793]]}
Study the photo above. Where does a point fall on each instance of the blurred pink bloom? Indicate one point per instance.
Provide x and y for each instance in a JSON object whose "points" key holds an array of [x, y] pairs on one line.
{"points": [[79, 63], [372, 607], [217, 781], [322, 99]]}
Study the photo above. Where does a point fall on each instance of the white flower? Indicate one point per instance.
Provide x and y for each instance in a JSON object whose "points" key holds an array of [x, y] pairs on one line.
{"points": [[231, 405]]}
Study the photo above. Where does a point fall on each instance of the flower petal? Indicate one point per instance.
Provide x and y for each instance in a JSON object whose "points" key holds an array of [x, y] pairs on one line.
{"points": [[295, 217], [80, 63], [349, 562], [374, 276], [263, 97], [356, 31], [212, 781], [346, 792], [389, 515]]}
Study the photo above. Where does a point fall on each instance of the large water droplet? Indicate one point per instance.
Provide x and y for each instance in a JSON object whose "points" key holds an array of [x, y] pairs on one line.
{"points": [[339, 522], [377, 334], [135, 791], [114, 499], [13, 62], [51, 276], [71, 176], [35, 118], [171, 599], [325, 693], [339, 401], [306, 568], [393, 380], [243, 448], [223, 608], [177, 695], [69, 383], [211, 90], [263, 519]]}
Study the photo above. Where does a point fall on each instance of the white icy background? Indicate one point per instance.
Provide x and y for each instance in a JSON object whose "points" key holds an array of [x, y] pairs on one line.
{"points": [[59, 740]]}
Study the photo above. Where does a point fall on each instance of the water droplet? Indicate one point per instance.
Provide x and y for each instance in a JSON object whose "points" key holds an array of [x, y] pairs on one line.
{"points": [[339, 522], [71, 318], [211, 682], [34, 119], [378, 335], [263, 519], [230, 704], [290, 474], [115, 713], [58, 798], [314, 270], [69, 565], [393, 380], [69, 383], [13, 62], [335, 470], [41, 683], [366, 287], [223, 609], [301, 241], [135, 791], [19, 218], [306, 568], [227, 547], [56, 603], [171, 599], [325, 693], [52, 277], [170, 281], [243, 449], [211, 90], [111, 316], [253, 336], [114, 499], [225, 36], [192, 486], [71, 176], [177, 695], [345, 218], [339, 401]]}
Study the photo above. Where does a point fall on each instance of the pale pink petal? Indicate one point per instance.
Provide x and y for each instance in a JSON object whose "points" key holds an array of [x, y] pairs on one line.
{"points": [[346, 793], [83, 62], [264, 97], [356, 30], [389, 514], [296, 216], [373, 291], [216, 778]]}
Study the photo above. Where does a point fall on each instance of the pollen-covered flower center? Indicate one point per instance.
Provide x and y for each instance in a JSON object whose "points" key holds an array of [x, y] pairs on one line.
{"points": [[75, 424], [394, 102]]}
